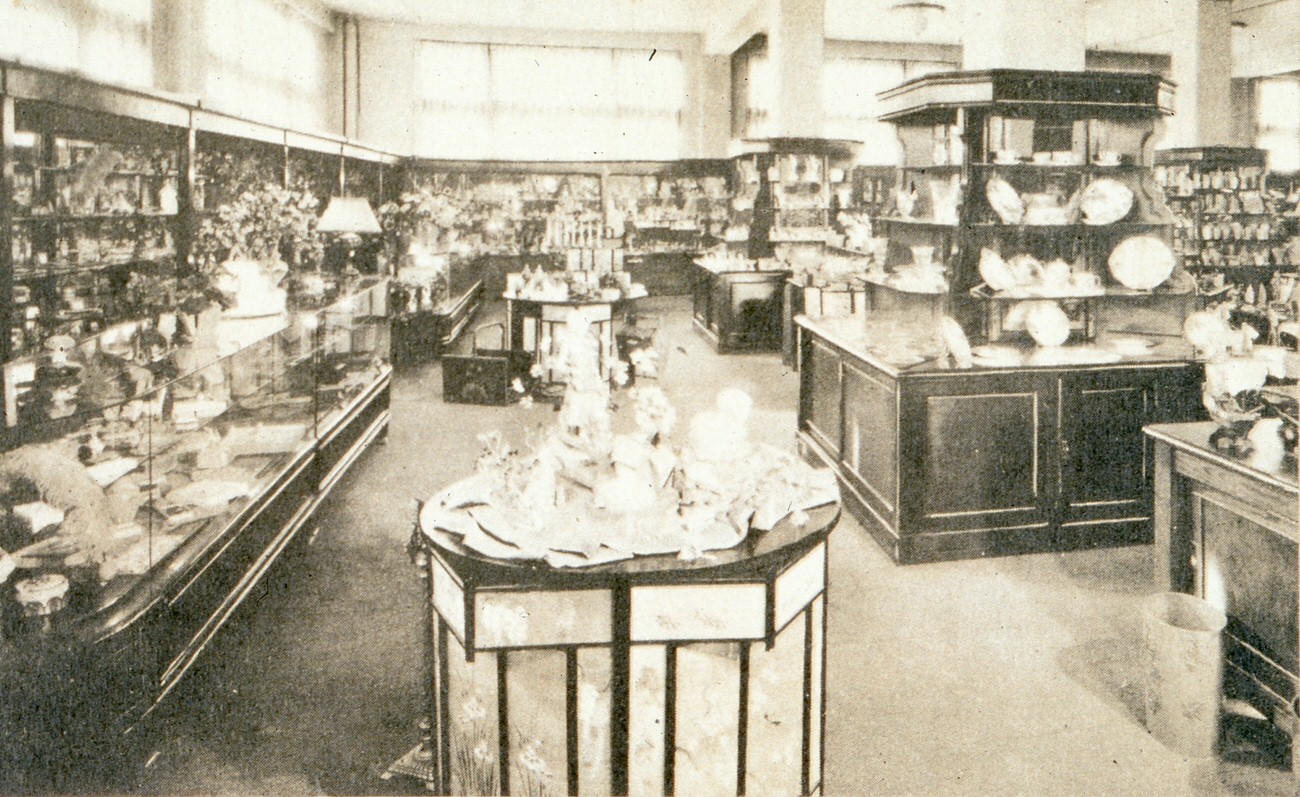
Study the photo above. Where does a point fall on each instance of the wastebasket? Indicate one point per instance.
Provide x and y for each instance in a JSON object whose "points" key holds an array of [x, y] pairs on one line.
{"points": [[1183, 656]]}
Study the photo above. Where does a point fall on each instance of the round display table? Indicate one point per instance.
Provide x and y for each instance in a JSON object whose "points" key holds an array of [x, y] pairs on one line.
{"points": [[648, 676], [533, 325]]}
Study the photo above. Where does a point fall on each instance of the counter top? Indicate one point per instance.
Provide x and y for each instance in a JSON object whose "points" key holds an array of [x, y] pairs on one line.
{"points": [[758, 552], [850, 333], [1194, 438]]}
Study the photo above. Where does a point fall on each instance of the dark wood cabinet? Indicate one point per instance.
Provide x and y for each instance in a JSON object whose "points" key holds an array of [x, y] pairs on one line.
{"points": [[945, 463], [739, 310]]}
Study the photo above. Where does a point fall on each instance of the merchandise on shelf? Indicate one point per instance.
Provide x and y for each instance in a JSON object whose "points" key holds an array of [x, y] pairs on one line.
{"points": [[1232, 228]]}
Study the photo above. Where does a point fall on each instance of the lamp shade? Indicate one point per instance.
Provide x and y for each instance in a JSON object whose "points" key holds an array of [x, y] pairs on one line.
{"points": [[348, 214]]}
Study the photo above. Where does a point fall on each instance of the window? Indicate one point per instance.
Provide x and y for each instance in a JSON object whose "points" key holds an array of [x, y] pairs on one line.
{"points": [[1278, 102], [108, 39], [488, 101], [849, 89], [267, 60]]}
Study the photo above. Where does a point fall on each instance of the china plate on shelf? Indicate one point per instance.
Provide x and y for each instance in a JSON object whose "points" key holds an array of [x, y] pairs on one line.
{"points": [[997, 356], [1105, 201], [1141, 262], [1004, 200], [1129, 346]]}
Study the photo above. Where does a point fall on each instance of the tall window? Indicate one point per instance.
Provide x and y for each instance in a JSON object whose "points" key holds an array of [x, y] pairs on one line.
{"points": [[753, 91], [849, 88], [548, 103], [267, 60], [109, 39], [1278, 101]]}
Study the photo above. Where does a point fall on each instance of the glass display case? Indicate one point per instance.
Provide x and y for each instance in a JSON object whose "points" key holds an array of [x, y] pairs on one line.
{"points": [[1025, 325], [149, 480], [94, 220], [157, 454], [1049, 202], [225, 166]]}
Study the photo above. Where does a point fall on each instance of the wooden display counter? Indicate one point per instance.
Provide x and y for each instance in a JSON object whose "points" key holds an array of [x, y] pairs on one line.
{"points": [[1228, 530], [425, 335], [649, 676], [739, 310], [947, 463]]}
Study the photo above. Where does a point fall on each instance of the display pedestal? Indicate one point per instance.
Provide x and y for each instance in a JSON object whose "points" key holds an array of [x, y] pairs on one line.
{"points": [[646, 677], [535, 325]]}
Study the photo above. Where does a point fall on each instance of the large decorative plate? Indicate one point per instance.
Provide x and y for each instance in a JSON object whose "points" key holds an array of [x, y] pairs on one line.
{"points": [[954, 337], [1105, 201], [995, 272], [1047, 323], [1141, 262], [1004, 200]]}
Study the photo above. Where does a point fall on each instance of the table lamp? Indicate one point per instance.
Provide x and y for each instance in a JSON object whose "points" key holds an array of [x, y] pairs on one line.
{"points": [[350, 217]]}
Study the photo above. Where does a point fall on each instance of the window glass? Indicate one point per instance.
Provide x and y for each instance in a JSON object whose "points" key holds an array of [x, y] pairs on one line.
{"points": [[530, 102], [109, 39], [1278, 101], [267, 61]]}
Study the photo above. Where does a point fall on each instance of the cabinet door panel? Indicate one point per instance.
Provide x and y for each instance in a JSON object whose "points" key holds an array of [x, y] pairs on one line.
{"points": [[974, 453], [753, 313], [1105, 461], [871, 434], [825, 395]]}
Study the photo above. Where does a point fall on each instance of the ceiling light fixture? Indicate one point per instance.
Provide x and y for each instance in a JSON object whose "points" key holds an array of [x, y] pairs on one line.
{"points": [[918, 15]]}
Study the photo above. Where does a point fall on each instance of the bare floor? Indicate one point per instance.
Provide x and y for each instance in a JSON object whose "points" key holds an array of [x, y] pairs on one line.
{"points": [[999, 676]]}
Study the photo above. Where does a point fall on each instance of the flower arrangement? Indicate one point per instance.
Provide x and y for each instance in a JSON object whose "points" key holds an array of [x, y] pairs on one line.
{"points": [[417, 215], [597, 488], [265, 223]]}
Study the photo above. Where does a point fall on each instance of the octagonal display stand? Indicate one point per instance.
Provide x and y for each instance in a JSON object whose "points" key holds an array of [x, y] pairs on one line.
{"points": [[650, 676]]}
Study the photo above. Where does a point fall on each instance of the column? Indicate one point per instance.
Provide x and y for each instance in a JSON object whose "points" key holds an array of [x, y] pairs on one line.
{"points": [[179, 49], [796, 48]]}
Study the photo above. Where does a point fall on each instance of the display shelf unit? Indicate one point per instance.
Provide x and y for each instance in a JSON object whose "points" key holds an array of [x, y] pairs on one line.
{"points": [[1231, 227], [942, 454], [172, 488], [95, 198], [788, 190]]}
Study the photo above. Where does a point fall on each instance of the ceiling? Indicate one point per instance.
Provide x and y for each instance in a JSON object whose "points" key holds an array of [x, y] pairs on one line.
{"points": [[846, 19], [1266, 32], [667, 16]]}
